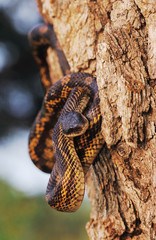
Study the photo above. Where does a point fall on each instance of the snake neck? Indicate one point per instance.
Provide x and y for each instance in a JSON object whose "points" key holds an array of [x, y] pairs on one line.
{"points": [[66, 185]]}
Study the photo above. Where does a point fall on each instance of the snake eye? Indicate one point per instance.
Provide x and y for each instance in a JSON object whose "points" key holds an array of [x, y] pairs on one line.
{"points": [[74, 124]]}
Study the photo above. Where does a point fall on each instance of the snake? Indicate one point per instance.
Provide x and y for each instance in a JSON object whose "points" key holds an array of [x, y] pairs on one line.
{"points": [[65, 137]]}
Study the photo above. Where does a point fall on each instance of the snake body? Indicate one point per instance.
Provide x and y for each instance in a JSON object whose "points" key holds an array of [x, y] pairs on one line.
{"points": [[66, 135]]}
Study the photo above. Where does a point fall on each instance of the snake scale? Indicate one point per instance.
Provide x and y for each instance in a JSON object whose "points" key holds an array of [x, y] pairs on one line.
{"points": [[66, 135]]}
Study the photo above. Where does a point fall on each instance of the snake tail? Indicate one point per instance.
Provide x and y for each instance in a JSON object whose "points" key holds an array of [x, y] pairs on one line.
{"points": [[41, 38]]}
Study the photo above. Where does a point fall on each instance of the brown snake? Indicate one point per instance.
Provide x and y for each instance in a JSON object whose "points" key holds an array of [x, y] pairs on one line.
{"points": [[66, 135]]}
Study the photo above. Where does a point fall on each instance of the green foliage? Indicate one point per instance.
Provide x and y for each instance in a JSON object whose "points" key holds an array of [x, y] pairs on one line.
{"points": [[23, 218]]}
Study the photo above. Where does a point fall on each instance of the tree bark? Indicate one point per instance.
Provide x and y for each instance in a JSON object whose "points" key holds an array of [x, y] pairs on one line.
{"points": [[116, 42]]}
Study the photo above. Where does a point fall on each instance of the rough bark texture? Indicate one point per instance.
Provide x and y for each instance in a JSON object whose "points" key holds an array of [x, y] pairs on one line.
{"points": [[116, 42]]}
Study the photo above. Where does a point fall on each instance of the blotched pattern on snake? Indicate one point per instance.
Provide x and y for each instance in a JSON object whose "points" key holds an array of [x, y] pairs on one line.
{"points": [[66, 135]]}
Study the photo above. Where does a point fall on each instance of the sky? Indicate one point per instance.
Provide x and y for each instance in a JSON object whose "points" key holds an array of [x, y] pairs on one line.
{"points": [[16, 166]]}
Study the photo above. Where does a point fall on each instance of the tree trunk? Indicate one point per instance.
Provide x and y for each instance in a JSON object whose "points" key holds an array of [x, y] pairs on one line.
{"points": [[116, 42]]}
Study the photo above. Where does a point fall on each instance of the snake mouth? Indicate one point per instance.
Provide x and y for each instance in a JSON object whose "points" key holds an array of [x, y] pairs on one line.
{"points": [[74, 124]]}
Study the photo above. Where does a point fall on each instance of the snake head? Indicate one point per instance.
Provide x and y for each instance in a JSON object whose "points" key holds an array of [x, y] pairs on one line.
{"points": [[74, 124]]}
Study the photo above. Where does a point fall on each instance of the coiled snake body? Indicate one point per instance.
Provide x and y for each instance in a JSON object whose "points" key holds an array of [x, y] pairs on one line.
{"points": [[66, 135]]}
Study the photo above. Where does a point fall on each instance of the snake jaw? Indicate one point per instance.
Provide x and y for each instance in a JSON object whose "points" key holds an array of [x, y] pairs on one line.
{"points": [[74, 124]]}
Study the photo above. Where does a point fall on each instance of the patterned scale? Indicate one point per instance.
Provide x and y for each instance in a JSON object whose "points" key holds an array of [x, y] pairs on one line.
{"points": [[66, 135]]}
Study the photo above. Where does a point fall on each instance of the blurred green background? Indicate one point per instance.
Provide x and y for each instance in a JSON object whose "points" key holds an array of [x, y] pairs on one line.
{"points": [[23, 218], [24, 213]]}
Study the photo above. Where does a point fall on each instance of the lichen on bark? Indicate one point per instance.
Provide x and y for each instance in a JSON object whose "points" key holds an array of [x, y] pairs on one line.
{"points": [[116, 42]]}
